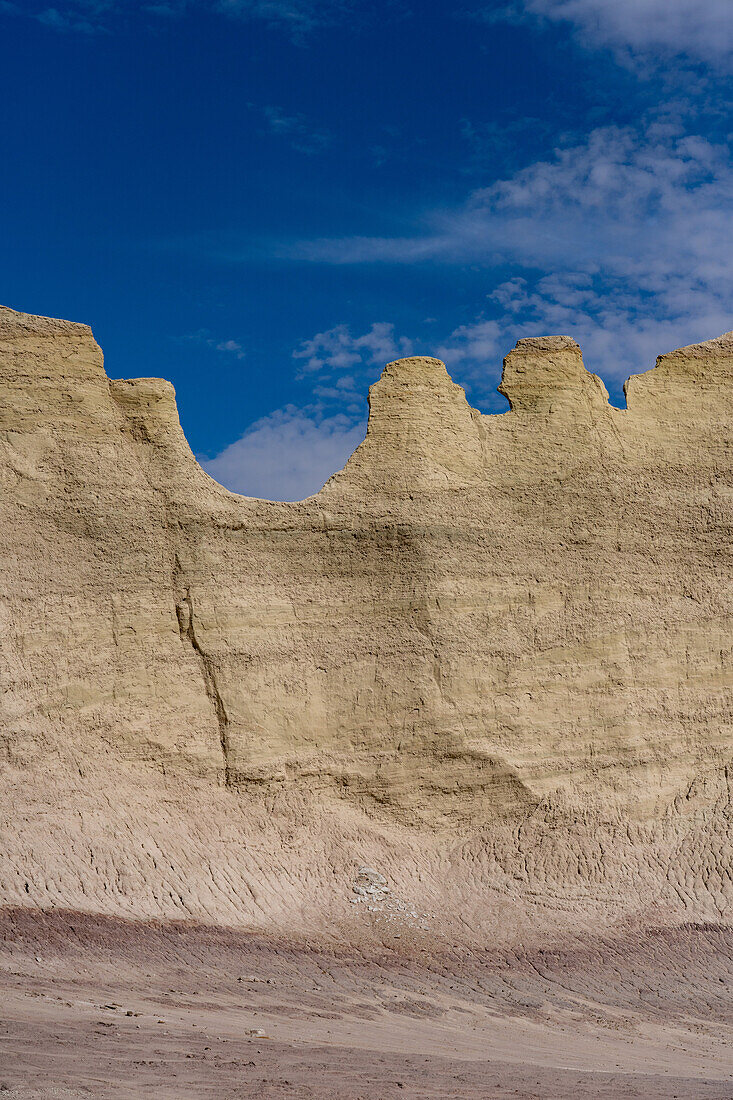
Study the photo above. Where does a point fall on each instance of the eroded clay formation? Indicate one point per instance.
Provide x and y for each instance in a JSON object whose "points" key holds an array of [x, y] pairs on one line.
{"points": [[491, 659]]}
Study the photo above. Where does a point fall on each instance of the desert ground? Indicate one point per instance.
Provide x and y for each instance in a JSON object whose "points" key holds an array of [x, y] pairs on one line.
{"points": [[97, 1007]]}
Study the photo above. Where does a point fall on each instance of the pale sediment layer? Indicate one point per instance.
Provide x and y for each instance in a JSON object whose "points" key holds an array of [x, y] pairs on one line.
{"points": [[490, 660]]}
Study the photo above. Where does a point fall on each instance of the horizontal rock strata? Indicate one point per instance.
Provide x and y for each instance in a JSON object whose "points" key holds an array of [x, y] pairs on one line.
{"points": [[491, 659]]}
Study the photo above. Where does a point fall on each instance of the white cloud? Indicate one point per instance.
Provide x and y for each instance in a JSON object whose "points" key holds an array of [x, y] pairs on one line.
{"points": [[287, 455], [699, 29], [617, 333], [231, 346], [481, 342], [204, 336], [624, 238], [590, 202], [329, 353]]}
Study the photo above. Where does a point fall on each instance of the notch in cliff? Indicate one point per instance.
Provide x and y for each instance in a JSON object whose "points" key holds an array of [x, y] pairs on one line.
{"points": [[422, 432]]}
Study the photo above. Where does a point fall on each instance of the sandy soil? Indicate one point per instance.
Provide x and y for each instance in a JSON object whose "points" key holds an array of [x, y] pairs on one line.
{"points": [[95, 1007]]}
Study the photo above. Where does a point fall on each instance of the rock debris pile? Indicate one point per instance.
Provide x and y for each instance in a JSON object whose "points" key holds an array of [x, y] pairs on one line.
{"points": [[372, 890]]}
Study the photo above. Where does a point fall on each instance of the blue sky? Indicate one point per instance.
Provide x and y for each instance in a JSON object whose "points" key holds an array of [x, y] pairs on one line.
{"points": [[265, 200]]}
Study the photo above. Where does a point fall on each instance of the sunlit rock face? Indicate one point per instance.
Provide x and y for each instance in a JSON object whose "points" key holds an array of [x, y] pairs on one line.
{"points": [[492, 656]]}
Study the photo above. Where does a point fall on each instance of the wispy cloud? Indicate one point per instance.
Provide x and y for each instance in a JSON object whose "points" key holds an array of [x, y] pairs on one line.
{"points": [[229, 346], [232, 347], [287, 455], [628, 230], [619, 334], [81, 16], [296, 129], [338, 349], [297, 17], [637, 30], [590, 201], [340, 365], [300, 17]]}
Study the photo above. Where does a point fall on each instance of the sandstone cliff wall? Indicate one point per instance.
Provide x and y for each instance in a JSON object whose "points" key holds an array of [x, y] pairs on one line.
{"points": [[506, 636]]}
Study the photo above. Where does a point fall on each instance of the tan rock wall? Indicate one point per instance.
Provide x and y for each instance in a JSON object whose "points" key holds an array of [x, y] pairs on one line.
{"points": [[478, 619]]}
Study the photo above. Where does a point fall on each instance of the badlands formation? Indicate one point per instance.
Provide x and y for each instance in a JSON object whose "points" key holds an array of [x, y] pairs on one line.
{"points": [[463, 720]]}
